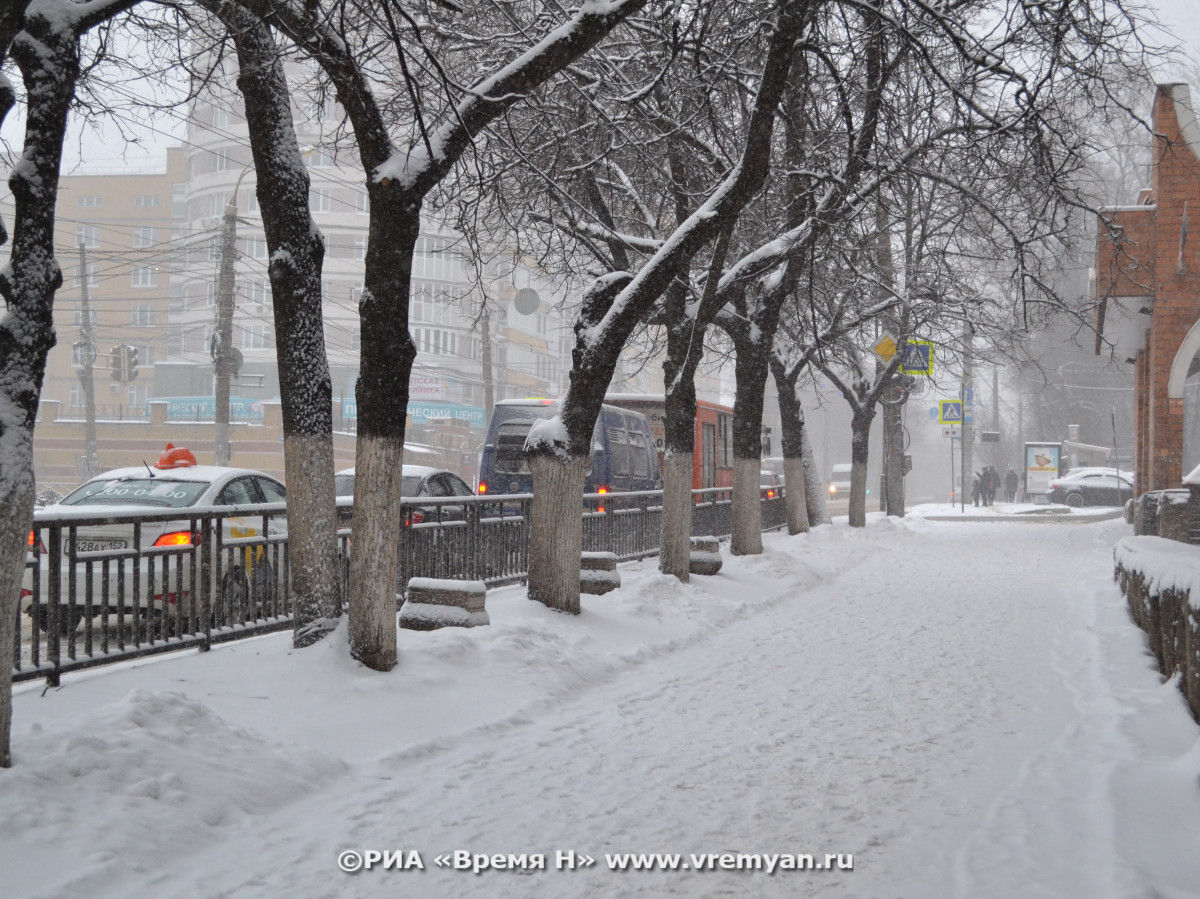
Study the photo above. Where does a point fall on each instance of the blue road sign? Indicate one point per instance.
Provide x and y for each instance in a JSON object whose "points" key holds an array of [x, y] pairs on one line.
{"points": [[950, 412], [917, 358]]}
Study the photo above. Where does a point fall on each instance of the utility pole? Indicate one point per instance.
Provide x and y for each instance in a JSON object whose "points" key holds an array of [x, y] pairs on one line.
{"points": [[87, 354], [485, 356], [968, 407], [222, 345]]}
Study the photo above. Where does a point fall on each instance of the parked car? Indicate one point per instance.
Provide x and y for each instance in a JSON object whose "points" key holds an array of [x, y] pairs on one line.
{"points": [[770, 483], [417, 481], [115, 555], [1092, 487]]}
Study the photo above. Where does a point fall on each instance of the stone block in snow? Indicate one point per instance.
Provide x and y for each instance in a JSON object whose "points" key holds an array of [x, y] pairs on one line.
{"points": [[597, 583]]}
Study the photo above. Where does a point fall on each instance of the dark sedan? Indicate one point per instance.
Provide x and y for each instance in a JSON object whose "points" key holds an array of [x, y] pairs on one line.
{"points": [[1092, 488]]}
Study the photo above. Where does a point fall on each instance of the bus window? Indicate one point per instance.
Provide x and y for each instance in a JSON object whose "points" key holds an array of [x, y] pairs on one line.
{"points": [[638, 453], [618, 447], [510, 447]]}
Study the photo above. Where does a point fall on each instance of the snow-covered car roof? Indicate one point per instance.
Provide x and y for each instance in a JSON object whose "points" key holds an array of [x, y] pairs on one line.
{"points": [[1193, 476], [205, 473], [407, 471], [1080, 473]]}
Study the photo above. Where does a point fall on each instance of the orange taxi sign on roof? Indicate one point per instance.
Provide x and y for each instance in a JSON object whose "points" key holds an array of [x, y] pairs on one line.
{"points": [[175, 457]]}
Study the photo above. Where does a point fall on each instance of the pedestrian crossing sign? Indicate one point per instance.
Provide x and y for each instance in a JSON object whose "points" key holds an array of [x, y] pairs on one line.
{"points": [[917, 358], [950, 412]]}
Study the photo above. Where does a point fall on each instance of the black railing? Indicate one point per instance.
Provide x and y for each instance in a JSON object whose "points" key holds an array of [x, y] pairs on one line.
{"points": [[87, 600]]}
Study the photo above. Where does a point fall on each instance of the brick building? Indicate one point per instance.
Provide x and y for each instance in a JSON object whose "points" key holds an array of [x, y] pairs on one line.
{"points": [[1148, 285]]}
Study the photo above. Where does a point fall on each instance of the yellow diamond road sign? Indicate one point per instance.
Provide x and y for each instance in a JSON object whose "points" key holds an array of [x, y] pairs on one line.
{"points": [[886, 348]]}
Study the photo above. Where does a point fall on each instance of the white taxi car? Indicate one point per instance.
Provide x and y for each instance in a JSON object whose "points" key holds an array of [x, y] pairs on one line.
{"points": [[102, 560]]}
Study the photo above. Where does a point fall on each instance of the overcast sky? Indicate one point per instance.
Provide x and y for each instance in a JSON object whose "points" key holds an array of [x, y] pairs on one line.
{"points": [[1182, 19]]}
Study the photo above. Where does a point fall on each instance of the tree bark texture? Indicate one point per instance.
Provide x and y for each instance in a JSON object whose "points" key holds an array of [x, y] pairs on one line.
{"points": [[675, 546], [814, 492], [860, 436], [48, 57], [297, 252], [376, 499], [893, 459], [747, 526], [796, 495], [791, 416], [750, 370], [556, 530], [679, 443]]}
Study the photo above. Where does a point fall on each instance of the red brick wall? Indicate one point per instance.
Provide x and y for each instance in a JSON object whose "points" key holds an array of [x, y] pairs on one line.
{"points": [[1146, 262]]}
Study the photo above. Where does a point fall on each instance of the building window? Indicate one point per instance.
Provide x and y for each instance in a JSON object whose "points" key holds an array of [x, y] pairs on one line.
{"points": [[141, 316], [144, 276], [88, 202], [319, 200], [259, 293], [210, 293], [76, 395], [93, 275], [360, 248], [361, 204], [88, 235], [137, 394], [145, 236], [219, 161], [252, 200], [256, 248], [257, 336], [221, 117], [77, 317], [146, 200], [432, 258], [435, 341], [321, 158], [216, 203]]}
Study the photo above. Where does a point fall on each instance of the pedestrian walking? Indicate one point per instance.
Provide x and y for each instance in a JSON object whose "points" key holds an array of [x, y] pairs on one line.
{"points": [[975, 490], [1010, 484]]}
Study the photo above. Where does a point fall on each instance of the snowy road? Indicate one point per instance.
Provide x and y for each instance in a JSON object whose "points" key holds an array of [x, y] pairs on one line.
{"points": [[964, 709]]}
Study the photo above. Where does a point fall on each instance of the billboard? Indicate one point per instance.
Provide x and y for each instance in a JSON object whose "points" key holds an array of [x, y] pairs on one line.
{"points": [[1043, 462]]}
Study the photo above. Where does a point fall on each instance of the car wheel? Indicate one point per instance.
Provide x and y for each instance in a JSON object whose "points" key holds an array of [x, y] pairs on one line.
{"points": [[1074, 500]]}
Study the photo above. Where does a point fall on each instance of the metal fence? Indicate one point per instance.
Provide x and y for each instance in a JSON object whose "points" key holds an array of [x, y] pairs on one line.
{"points": [[88, 601]]}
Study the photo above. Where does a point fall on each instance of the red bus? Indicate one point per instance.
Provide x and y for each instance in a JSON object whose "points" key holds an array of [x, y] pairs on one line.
{"points": [[712, 462]]}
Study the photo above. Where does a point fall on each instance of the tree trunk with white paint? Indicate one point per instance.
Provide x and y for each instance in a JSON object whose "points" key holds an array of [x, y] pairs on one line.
{"points": [[675, 550], [297, 253], [797, 504], [814, 491], [379, 464], [556, 530], [747, 508]]}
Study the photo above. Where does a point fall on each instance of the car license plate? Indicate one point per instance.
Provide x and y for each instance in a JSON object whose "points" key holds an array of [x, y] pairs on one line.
{"points": [[98, 546]]}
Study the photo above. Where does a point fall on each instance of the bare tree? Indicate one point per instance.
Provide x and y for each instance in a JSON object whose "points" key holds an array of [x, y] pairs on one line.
{"points": [[44, 43], [401, 173], [296, 249]]}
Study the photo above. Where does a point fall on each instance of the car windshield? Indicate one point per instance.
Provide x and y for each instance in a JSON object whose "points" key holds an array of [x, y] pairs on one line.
{"points": [[343, 485], [137, 492], [409, 485]]}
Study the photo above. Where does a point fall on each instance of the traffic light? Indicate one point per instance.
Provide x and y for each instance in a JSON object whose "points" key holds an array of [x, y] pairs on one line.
{"points": [[122, 361]]}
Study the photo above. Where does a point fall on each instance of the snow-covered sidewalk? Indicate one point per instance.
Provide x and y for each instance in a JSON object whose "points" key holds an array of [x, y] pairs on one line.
{"points": [[964, 710]]}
